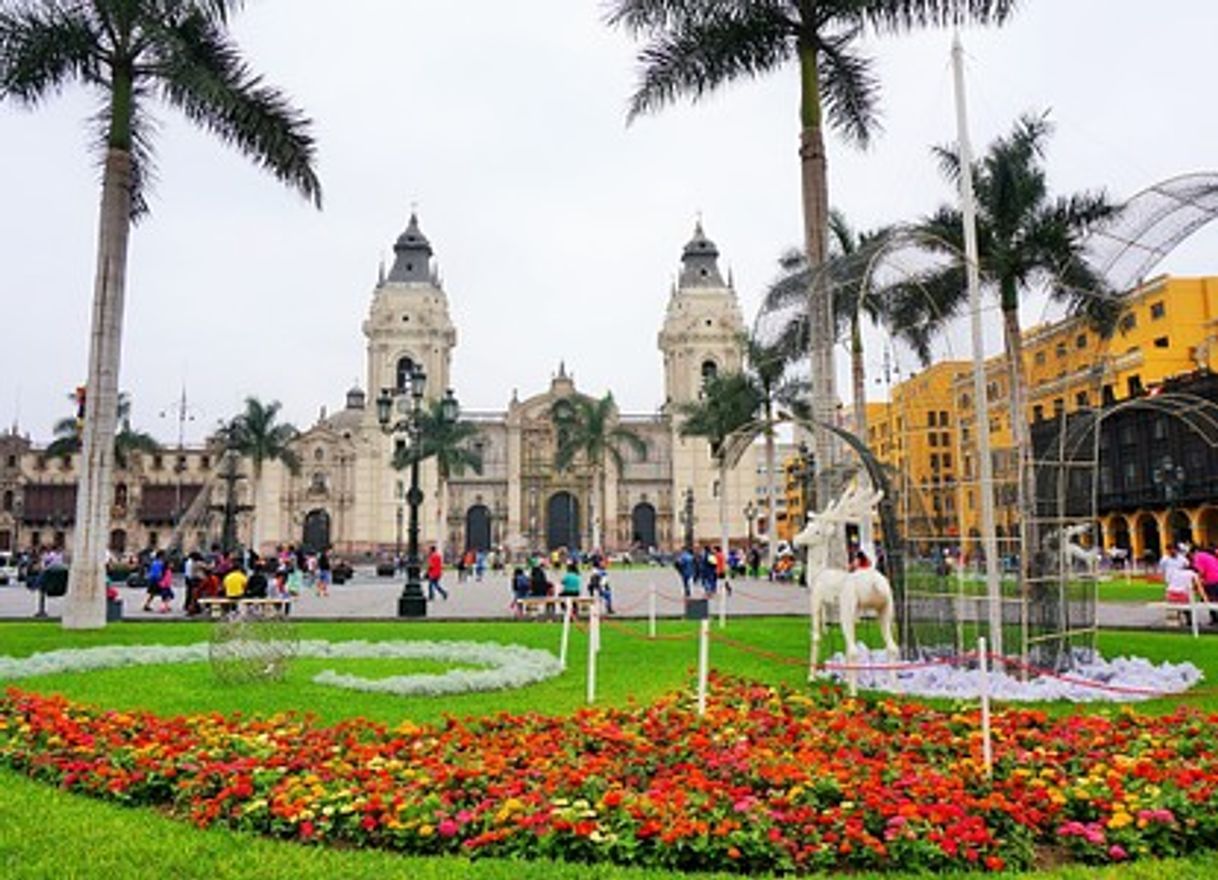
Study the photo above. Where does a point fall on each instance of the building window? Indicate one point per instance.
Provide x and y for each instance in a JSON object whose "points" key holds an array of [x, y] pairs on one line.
{"points": [[12, 461], [945, 439], [709, 371], [934, 439], [1162, 342], [1038, 413], [942, 418], [1158, 310], [1059, 406], [158, 462], [1082, 400], [932, 418], [934, 461], [1080, 341], [947, 460], [1039, 359], [1061, 350], [1134, 384], [965, 400], [8, 502], [1128, 322], [1108, 395], [405, 369], [204, 462]]}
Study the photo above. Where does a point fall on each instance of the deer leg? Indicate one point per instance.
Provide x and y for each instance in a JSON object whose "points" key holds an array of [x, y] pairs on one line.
{"points": [[814, 632], [846, 611], [892, 649]]}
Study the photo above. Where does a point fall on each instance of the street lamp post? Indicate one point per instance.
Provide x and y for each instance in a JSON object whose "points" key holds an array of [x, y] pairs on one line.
{"points": [[750, 515], [412, 603]]}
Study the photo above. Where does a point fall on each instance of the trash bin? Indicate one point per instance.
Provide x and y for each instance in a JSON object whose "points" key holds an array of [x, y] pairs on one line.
{"points": [[54, 581]]}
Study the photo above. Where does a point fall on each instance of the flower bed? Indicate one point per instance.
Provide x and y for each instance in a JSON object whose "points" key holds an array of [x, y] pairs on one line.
{"points": [[769, 779]]}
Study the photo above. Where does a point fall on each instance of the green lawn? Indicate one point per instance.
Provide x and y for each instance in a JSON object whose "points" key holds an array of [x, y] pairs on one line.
{"points": [[111, 841]]}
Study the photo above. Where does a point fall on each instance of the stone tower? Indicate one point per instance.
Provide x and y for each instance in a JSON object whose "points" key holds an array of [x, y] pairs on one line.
{"points": [[701, 337], [408, 323]]}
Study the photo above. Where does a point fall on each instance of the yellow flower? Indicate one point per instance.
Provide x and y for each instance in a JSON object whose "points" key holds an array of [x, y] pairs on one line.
{"points": [[426, 831]]}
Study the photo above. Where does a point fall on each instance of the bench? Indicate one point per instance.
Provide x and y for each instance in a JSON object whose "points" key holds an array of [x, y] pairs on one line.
{"points": [[1176, 613], [220, 606], [536, 606]]}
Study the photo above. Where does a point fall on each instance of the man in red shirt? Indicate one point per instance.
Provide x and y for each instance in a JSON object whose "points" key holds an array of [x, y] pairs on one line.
{"points": [[435, 568]]}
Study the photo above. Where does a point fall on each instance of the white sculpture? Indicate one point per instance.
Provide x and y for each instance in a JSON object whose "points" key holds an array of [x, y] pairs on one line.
{"points": [[1077, 556], [852, 591]]}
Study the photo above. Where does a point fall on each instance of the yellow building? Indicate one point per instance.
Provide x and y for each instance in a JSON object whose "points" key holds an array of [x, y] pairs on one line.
{"points": [[1168, 329]]}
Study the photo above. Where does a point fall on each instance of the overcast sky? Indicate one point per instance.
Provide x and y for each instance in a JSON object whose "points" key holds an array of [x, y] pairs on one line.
{"points": [[558, 229]]}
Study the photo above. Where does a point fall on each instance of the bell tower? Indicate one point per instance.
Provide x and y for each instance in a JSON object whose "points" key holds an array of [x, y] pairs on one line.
{"points": [[703, 325], [408, 325], [701, 338]]}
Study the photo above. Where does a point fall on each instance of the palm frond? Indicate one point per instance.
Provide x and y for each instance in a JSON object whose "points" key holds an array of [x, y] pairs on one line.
{"points": [[897, 16], [849, 88], [44, 47], [692, 53], [200, 71]]}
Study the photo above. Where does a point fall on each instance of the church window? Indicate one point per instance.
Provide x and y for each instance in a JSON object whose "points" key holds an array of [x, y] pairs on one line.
{"points": [[319, 454], [405, 369], [709, 371]]}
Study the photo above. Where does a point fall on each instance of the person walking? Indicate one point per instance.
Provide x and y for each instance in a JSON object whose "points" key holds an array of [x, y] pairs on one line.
{"points": [[435, 570], [1206, 565], [685, 568], [324, 573]]}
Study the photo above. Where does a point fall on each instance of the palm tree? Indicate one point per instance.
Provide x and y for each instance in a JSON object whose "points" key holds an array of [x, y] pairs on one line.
{"points": [[129, 51], [694, 47], [766, 368], [727, 408], [590, 428], [1026, 239], [448, 441], [256, 435], [126, 440]]}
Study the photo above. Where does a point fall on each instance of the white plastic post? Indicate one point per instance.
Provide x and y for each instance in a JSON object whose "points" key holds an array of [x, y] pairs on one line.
{"points": [[592, 656], [1192, 613], [723, 606], [703, 663], [566, 634], [651, 612], [983, 666], [594, 624]]}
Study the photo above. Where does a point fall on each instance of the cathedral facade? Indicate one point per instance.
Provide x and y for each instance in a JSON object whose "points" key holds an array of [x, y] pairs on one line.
{"points": [[347, 494]]}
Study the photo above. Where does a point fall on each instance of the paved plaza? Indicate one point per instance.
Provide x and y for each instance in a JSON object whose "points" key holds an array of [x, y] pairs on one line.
{"points": [[368, 597]]}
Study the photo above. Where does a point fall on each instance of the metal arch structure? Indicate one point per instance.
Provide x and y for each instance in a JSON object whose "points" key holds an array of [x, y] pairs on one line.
{"points": [[1150, 226]]}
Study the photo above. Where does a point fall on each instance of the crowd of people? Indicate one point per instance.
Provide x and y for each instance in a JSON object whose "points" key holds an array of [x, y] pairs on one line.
{"points": [[220, 575]]}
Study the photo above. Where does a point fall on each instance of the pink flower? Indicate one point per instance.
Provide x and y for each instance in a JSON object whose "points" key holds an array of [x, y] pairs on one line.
{"points": [[1117, 853], [447, 828]]}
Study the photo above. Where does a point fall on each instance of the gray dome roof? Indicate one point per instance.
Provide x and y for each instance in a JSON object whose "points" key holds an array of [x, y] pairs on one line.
{"points": [[700, 262], [412, 254]]}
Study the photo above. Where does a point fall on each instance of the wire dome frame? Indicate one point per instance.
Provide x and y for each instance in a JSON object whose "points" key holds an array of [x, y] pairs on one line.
{"points": [[1150, 226]]}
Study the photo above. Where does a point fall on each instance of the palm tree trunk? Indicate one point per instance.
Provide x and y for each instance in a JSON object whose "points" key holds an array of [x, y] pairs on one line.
{"points": [[255, 488], [770, 489], [1025, 490], [595, 530], [85, 607], [442, 513], [815, 189], [858, 378], [723, 524]]}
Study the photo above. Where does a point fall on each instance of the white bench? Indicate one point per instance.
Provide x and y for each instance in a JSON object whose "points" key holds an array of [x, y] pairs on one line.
{"points": [[218, 606], [1178, 613], [536, 606]]}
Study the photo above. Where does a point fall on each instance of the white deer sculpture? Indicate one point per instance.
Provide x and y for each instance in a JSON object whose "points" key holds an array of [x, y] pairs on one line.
{"points": [[852, 591]]}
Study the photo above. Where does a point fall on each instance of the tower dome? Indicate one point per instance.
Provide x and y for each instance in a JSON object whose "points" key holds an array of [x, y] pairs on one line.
{"points": [[411, 255], [700, 262]]}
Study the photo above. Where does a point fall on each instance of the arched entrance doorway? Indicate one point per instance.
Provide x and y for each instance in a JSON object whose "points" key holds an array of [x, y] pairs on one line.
{"points": [[1118, 533], [478, 528], [643, 525], [1207, 527], [1148, 531], [118, 541], [1180, 527], [316, 535], [562, 521]]}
